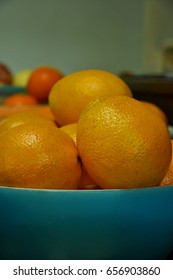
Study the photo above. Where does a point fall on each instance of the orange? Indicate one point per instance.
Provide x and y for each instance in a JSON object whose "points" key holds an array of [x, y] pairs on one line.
{"points": [[6, 111], [41, 81], [122, 143], [91, 187], [157, 110], [168, 179], [38, 156], [70, 95], [42, 110], [20, 99], [24, 118], [86, 180], [70, 129]]}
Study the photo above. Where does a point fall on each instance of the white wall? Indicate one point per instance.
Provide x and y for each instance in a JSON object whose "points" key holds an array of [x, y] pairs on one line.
{"points": [[72, 34], [158, 31]]}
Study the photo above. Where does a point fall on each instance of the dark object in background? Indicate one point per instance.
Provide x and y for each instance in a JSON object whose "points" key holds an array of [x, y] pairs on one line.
{"points": [[157, 89], [6, 77]]}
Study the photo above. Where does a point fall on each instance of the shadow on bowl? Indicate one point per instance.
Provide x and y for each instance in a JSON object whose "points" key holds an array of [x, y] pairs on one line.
{"points": [[86, 224]]}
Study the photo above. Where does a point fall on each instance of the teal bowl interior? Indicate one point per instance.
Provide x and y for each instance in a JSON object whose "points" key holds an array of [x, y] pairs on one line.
{"points": [[8, 90], [86, 224]]}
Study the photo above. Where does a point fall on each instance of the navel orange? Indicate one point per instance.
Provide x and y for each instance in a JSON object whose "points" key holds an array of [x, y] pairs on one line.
{"points": [[38, 156], [70, 95], [122, 143]]}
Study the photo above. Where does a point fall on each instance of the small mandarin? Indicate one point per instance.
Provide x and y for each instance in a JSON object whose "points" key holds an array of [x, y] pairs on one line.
{"points": [[41, 81], [20, 99]]}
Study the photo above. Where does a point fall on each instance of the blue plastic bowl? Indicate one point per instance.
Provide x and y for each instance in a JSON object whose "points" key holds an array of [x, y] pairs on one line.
{"points": [[8, 90], [86, 224]]}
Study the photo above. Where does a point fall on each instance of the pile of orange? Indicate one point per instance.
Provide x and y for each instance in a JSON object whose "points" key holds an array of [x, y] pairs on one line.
{"points": [[95, 135], [38, 85]]}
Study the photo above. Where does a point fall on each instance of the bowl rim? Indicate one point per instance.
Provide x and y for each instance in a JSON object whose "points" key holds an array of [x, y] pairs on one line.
{"points": [[117, 190], [7, 90]]}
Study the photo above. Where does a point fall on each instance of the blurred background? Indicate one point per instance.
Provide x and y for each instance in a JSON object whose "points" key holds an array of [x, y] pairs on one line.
{"points": [[115, 35]]}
